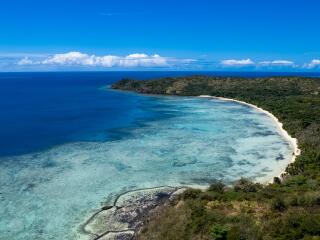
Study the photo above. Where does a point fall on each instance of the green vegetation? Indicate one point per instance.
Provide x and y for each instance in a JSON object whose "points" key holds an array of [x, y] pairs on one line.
{"points": [[289, 208]]}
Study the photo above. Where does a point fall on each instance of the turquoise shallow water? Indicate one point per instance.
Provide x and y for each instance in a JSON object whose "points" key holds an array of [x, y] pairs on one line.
{"points": [[49, 193]]}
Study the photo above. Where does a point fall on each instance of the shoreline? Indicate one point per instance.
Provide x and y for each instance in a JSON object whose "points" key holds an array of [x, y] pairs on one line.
{"points": [[292, 141], [137, 223]]}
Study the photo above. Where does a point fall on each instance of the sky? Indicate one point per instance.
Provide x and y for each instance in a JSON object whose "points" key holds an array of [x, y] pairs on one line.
{"points": [[255, 35]]}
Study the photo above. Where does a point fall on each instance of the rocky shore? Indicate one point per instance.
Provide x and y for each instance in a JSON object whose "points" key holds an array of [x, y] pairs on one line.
{"points": [[124, 218]]}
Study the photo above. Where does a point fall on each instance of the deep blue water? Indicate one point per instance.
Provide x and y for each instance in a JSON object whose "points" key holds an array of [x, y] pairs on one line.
{"points": [[40, 110]]}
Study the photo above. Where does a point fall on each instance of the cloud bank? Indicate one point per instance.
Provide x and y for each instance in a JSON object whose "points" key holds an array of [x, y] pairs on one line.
{"points": [[237, 63], [250, 63], [315, 63], [277, 63], [83, 59], [76, 60]]}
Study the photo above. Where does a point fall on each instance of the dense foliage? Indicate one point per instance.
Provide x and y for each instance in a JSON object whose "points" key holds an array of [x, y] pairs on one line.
{"points": [[289, 208]]}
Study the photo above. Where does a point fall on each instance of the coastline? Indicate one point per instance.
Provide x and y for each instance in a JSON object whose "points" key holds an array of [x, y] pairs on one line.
{"points": [[292, 141], [135, 224], [124, 217], [296, 104]]}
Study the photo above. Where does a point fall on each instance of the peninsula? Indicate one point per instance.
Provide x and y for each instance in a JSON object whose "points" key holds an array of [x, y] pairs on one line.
{"points": [[287, 208]]}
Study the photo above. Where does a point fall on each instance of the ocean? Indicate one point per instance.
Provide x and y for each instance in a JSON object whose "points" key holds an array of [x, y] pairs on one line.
{"points": [[69, 143]]}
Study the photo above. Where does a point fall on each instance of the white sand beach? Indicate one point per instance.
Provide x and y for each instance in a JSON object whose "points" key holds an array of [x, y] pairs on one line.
{"points": [[292, 141]]}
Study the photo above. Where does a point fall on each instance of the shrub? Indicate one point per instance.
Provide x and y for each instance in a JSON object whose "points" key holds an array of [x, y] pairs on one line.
{"points": [[218, 187], [276, 180], [191, 193], [311, 199], [278, 204], [219, 232], [295, 180], [245, 185], [293, 200], [234, 234]]}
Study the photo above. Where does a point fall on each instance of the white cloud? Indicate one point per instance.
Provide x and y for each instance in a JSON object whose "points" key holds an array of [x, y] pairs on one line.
{"points": [[25, 61], [313, 64], [137, 55], [71, 58], [83, 59], [249, 62], [237, 63], [277, 63], [138, 59]]}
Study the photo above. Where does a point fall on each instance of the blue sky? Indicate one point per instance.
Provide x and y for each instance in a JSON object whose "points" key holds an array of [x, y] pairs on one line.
{"points": [[268, 35]]}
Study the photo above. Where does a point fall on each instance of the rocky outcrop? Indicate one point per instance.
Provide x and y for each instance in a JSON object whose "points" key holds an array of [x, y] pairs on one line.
{"points": [[123, 219]]}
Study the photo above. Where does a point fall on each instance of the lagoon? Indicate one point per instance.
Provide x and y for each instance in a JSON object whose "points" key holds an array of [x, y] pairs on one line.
{"points": [[69, 145]]}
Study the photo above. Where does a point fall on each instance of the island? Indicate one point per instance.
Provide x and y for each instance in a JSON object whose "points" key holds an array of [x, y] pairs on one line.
{"points": [[287, 208]]}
